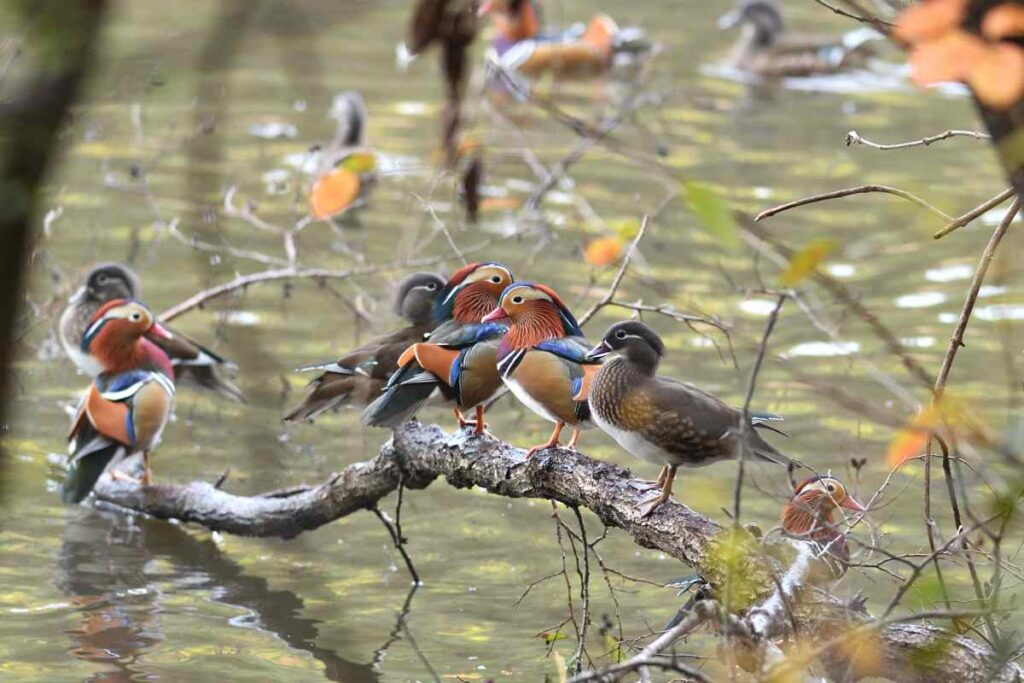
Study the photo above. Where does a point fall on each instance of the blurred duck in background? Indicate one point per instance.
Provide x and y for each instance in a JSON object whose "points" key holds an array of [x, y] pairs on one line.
{"points": [[765, 48]]}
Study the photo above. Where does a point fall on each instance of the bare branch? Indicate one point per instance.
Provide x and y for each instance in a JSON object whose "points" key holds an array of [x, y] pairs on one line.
{"points": [[854, 138], [860, 189]]}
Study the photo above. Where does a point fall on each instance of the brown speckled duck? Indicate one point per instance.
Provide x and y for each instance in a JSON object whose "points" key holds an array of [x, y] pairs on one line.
{"points": [[663, 421], [359, 376]]}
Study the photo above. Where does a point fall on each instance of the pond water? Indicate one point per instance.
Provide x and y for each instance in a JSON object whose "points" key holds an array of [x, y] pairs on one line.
{"points": [[87, 595]]}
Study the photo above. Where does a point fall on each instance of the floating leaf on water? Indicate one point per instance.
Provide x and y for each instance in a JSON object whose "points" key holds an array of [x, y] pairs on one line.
{"points": [[712, 212], [333, 193], [603, 251], [806, 260]]}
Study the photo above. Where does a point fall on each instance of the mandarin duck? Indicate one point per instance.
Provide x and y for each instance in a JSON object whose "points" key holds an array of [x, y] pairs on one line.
{"points": [[808, 516], [522, 46], [458, 357], [764, 48], [190, 360], [128, 403], [360, 375], [661, 420], [542, 358]]}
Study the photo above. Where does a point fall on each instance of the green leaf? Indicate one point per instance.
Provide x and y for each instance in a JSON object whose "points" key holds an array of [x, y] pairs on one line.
{"points": [[712, 212]]}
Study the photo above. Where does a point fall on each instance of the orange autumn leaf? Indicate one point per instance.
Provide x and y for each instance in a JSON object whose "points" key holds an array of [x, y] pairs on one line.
{"points": [[997, 79], [603, 251], [929, 20], [912, 439], [1003, 21], [948, 58], [333, 193]]}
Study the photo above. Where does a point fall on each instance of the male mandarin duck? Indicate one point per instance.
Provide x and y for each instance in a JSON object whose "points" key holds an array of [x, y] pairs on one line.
{"points": [[542, 358], [808, 515], [130, 400], [458, 357], [663, 421], [764, 48], [110, 281], [522, 46], [360, 375]]}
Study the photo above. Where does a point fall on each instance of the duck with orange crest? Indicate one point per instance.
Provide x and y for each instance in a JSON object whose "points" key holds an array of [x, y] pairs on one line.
{"points": [[457, 360], [542, 358], [808, 516], [523, 46], [191, 361], [129, 402]]}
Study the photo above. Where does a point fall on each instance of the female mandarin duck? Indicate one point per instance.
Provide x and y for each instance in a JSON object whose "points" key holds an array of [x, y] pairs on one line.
{"points": [[663, 421], [360, 375], [808, 515], [765, 49], [128, 403], [109, 281], [458, 357], [522, 46], [542, 358]]}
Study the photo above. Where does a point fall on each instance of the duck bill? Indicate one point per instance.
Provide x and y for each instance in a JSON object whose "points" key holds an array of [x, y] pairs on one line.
{"points": [[850, 503], [497, 315], [159, 331], [599, 351], [729, 20]]}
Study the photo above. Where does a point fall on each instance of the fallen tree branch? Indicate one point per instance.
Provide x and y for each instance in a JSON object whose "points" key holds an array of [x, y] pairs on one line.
{"points": [[419, 454]]}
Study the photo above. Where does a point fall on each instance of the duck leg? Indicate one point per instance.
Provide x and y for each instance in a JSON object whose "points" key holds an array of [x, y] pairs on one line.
{"points": [[481, 426], [651, 504], [574, 439], [645, 485], [461, 419], [550, 443]]}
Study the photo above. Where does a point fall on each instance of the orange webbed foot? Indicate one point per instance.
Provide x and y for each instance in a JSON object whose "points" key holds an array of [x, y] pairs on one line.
{"points": [[552, 442]]}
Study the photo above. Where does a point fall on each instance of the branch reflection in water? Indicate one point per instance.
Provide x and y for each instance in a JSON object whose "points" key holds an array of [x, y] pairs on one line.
{"points": [[105, 568]]}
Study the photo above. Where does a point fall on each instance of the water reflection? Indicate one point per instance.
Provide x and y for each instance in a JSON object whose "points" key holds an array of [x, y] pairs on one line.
{"points": [[105, 567]]}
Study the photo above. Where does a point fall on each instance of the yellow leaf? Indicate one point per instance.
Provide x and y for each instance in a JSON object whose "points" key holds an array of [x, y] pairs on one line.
{"points": [[333, 193], [805, 261], [360, 162], [603, 251], [912, 439]]}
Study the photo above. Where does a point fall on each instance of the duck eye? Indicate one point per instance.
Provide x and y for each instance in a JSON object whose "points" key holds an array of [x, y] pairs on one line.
{"points": [[517, 299], [102, 279], [831, 488], [431, 286], [621, 334], [496, 279], [135, 317]]}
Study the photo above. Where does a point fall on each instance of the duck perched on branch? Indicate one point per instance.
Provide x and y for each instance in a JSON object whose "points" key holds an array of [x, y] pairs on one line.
{"points": [[130, 400], [458, 358], [191, 362], [661, 420], [360, 375], [542, 358]]}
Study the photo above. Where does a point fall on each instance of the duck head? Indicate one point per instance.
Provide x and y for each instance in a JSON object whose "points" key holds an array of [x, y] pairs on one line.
{"points": [[416, 297], [633, 340], [115, 335], [472, 292], [809, 511], [109, 281], [534, 313], [762, 19]]}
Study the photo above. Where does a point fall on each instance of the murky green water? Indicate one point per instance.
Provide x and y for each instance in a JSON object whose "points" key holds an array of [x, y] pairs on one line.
{"points": [[92, 596]]}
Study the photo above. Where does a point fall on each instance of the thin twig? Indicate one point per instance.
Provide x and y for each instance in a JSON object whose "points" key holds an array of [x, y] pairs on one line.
{"points": [[617, 280], [855, 138], [860, 189], [956, 223]]}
